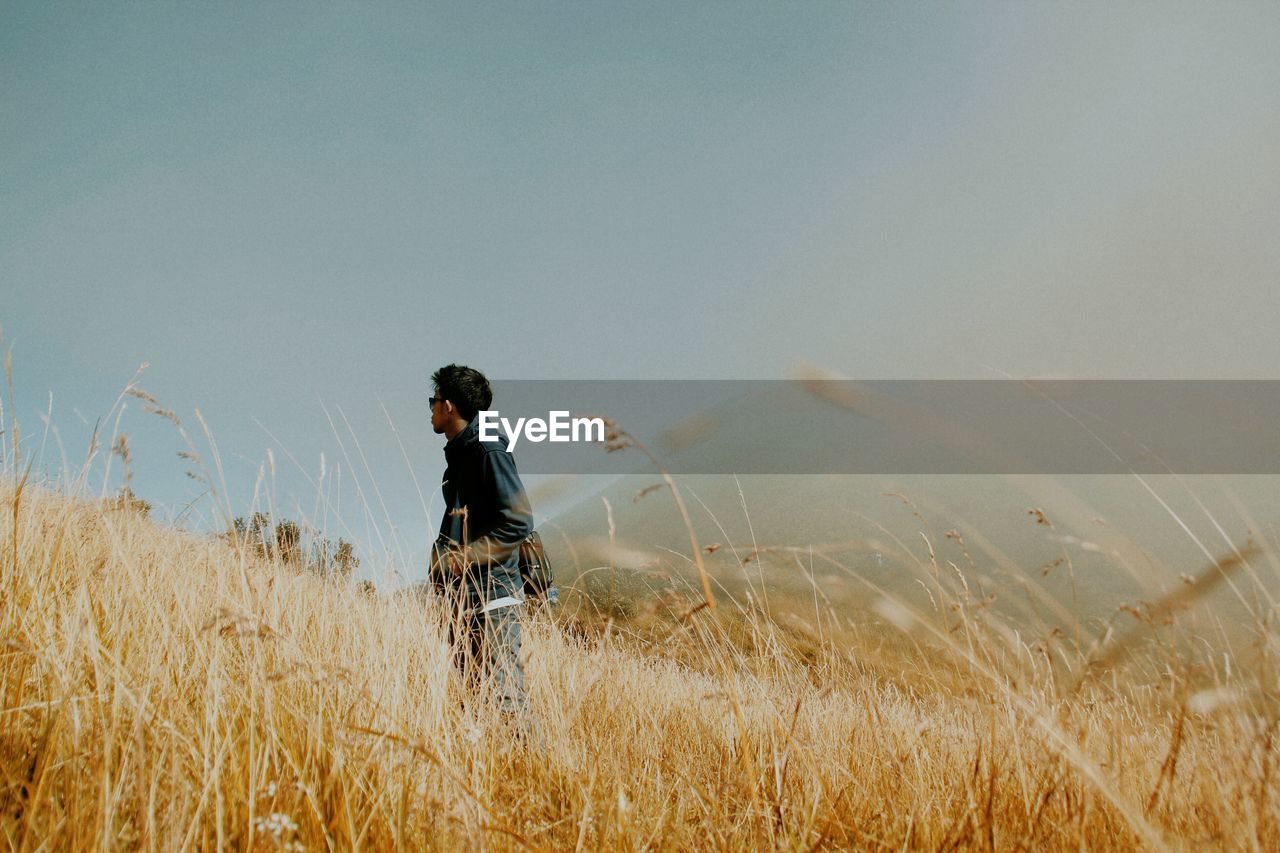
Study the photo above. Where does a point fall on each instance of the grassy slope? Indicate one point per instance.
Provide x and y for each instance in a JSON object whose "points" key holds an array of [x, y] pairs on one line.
{"points": [[159, 690]]}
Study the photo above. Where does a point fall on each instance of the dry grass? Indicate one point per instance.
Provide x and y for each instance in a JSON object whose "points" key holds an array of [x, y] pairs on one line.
{"points": [[164, 691]]}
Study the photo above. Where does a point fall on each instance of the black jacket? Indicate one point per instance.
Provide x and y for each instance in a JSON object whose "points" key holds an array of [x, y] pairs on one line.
{"points": [[481, 478]]}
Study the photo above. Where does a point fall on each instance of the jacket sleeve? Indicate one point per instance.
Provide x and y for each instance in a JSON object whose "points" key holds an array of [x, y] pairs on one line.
{"points": [[513, 517]]}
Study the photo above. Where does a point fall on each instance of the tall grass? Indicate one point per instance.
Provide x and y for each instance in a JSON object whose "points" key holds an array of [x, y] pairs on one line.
{"points": [[161, 690]]}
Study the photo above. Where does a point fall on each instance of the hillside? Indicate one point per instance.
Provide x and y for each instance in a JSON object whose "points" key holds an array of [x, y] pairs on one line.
{"points": [[165, 691]]}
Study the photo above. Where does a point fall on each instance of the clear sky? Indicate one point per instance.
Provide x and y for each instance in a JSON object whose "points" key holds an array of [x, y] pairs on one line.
{"points": [[278, 205]]}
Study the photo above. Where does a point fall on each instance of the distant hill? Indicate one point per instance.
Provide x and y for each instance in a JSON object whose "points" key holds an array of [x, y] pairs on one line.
{"points": [[1022, 538]]}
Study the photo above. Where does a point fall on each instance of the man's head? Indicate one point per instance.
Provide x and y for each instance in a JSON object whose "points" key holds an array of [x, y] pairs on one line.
{"points": [[460, 392]]}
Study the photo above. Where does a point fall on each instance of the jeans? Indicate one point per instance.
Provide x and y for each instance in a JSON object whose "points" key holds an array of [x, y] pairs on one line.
{"points": [[486, 648]]}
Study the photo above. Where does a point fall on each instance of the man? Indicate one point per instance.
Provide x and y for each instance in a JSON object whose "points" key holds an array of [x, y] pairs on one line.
{"points": [[486, 517]]}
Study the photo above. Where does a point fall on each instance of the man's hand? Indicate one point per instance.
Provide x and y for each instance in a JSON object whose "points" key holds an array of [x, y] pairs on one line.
{"points": [[455, 561]]}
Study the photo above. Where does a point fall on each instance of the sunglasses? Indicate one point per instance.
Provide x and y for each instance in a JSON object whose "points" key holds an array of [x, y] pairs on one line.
{"points": [[431, 401]]}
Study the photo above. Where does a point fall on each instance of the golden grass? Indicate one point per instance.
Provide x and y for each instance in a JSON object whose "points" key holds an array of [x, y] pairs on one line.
{"points": [[164, 691]]}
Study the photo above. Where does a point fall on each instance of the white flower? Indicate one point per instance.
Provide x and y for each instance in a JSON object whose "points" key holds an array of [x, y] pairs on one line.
{"points": [[277, 824]]}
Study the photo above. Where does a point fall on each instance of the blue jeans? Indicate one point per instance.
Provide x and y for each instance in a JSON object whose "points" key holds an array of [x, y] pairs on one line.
{"points": [[486, 648]]}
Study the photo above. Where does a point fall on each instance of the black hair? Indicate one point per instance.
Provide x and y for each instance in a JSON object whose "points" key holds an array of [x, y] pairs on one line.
{"points": [[465, 387]]}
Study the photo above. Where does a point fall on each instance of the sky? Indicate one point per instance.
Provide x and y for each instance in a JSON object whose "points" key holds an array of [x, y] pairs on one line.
{"points": [[293, 213]]}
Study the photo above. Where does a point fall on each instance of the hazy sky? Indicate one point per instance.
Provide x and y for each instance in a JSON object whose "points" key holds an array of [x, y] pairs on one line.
{"points": [[277, 204]]}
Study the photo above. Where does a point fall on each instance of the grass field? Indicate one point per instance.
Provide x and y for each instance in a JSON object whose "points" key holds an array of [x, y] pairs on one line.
{"points": [[161, 690]]}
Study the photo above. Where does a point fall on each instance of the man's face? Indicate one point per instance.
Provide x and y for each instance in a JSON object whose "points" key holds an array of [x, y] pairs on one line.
{"points": [[439, 413]]}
